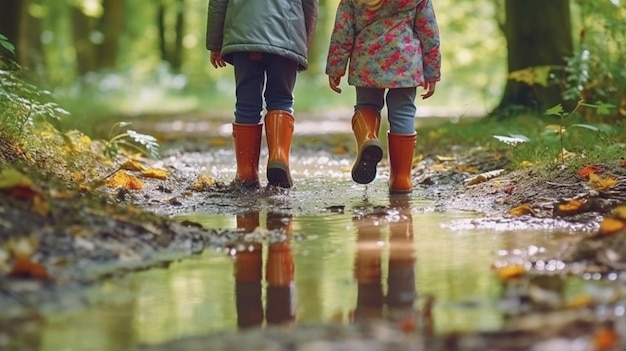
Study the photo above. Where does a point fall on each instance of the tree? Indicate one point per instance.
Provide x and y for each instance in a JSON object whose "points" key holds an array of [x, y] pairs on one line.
{"points": [[538, 34], [171, 40], [10, 13]]}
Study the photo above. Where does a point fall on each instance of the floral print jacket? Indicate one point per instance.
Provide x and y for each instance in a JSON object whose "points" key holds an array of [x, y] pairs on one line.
{"points": [[396, 46]]}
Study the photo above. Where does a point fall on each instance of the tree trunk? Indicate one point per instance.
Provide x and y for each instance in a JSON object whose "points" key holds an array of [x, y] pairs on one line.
{"points": [[179, 30], [538, 33], [30, 44], [10, 14], [83, 46], [111, 26], [171, 36]]}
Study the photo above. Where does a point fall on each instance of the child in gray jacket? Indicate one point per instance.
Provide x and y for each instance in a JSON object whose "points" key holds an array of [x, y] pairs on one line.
{"points": [[267, 42]]}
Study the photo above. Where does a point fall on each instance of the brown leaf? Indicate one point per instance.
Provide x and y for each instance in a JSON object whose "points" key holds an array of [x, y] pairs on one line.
{"points": [[24, 267], [605, 338], [521, 210]]}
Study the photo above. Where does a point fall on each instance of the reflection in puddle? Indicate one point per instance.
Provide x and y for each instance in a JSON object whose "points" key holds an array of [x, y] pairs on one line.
{"points": [[393, 261]]}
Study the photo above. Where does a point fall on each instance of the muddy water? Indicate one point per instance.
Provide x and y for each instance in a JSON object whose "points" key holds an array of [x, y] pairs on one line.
{"points": [[329, 251]]}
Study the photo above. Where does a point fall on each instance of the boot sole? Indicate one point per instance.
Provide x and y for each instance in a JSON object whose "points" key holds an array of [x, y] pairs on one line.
{"points": [[364, 169], [278, 175]]}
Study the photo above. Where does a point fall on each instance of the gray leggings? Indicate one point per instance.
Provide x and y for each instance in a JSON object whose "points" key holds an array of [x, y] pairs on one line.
{"points": [[400, 106]]}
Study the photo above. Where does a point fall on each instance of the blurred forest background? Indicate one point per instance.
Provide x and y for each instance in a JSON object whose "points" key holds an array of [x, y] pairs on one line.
{"points": [[137, 57]]}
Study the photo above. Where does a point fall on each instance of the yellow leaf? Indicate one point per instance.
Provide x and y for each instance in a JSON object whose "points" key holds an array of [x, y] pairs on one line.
{"points": [[569, 208], [155, 173], [525, 164], [521, 210], [445, 158], [439, 167], [202, 183], [598, 183], [620, 212], [610, 225], [124, 180], [218, 142], [340, 150], [132, 165], [580, 301], [11, 178], [511, 272], [40, 205]]}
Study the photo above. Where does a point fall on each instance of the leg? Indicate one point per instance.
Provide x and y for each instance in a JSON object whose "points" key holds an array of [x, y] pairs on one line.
{"points": [[401, 138], [401, 107], [365, 125], [249, 80], [279, 121]]}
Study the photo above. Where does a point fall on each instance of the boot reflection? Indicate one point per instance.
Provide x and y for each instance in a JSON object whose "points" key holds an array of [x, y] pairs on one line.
{"points": [[398, 304], [248, 274], [401, 294], [367, 269], [279, 274]]}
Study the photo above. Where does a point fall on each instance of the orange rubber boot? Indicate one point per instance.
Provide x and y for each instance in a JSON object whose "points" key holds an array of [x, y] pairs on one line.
{"points": [[401, 148], [365, 125], [247, 140], [279, 131]]}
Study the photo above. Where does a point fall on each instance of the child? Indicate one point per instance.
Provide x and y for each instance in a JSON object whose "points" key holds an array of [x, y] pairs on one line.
{"points": [[267, 43], [392, 47]]}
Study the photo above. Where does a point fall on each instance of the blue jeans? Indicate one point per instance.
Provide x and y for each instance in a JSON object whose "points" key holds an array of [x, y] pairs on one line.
{"points": [[259, 78], [400, 106]]}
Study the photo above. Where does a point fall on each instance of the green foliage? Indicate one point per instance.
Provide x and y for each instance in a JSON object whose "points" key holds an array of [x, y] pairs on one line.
{"points": [[596, 72], [23, 104], [5, 43], [129, 139]]}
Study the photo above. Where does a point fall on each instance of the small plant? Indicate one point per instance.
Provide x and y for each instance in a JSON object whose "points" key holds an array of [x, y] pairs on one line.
{"points": [[21, 104], [129, 139], [5, 43], [601, 108]]}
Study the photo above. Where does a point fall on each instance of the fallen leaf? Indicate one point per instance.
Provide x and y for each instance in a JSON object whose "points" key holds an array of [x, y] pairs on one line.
{"points": [[611, 225], [601, 184], [511, 272], [122, 179], [40, 205], [522, 210], [202, 183], [580, 301], [24, 267], [605, 338], [11, 178], [525, 164], [587, 170], [569, 208], [340, 150], [620, 212], [132, 165], [155, 173]]}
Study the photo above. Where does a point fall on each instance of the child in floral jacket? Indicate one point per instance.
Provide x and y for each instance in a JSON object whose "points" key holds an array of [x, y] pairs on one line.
{"points": [[389, 48]]}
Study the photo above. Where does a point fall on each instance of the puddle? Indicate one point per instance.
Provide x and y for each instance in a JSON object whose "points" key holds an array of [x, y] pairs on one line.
{"points": [[331, 269]]}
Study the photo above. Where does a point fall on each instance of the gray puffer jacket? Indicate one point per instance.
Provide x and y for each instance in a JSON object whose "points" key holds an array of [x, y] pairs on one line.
{"points": [[282, 27]]}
